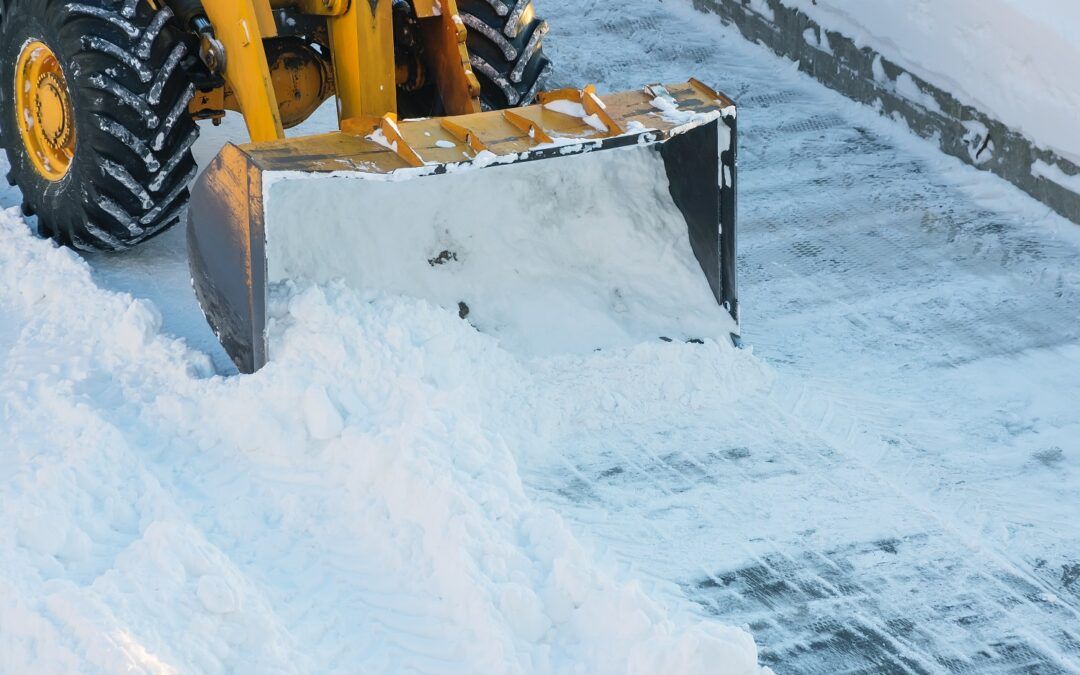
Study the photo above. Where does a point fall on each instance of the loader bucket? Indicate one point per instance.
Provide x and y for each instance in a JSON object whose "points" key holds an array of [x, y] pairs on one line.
{"points": [[580, 223]]}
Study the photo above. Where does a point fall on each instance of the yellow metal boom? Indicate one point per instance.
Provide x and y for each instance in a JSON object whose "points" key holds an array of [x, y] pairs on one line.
{"points": [[365, 75]]}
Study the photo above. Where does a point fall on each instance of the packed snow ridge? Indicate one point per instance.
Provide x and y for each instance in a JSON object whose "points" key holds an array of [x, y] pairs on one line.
{"points": [[356, 505]]}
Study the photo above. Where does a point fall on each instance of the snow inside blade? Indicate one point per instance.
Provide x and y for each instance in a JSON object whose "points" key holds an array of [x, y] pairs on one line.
{"points": [[589, 240]]}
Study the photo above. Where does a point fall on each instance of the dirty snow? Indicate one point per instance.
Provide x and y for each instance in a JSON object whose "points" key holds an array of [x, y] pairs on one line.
{"points": [[884, 481]]}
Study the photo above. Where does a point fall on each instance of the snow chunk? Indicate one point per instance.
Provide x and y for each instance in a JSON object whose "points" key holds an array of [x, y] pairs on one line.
{"points": [[571, 108], [379, 137], [576, 109], [878, 69], [670, 111]]}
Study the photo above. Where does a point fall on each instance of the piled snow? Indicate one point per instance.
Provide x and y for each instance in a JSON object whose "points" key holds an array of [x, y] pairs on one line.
{"points": [[354, 506], [564, 255], [1016, 60]]}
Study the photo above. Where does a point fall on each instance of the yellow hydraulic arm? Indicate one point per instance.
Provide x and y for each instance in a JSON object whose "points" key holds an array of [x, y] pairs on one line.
{"points": [[238, 27], [362, 54]]}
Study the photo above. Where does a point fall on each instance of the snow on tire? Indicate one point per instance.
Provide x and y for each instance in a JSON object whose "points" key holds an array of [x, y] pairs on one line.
{"points": [[505, 40], [132, 161]]}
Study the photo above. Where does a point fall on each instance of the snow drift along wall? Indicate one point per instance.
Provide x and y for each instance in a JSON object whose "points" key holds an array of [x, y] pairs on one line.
{"points": [[995, 82]]}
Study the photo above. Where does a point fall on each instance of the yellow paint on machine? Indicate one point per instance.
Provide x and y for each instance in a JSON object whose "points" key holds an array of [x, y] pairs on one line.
{"points": [[45, 116], [276, 82], [461, 138], [276, 91]]}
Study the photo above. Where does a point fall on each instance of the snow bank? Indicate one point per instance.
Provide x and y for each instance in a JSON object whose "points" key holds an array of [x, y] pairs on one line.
{"points": [[1016, 60], [357, 505]]}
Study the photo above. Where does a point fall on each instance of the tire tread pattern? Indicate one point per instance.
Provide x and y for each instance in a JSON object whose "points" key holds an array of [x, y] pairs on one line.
{"points": [[134, 137], [506, 50]]}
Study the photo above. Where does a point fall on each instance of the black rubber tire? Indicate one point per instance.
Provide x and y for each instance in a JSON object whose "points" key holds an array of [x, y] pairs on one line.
{"points": [[505, 40], [129, 177]]}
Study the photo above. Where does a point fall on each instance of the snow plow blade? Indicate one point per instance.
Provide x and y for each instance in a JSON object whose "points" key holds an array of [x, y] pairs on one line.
{"points": [[625, 232]]}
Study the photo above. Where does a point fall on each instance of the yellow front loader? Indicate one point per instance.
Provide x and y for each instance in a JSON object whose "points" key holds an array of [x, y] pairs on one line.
{"points": [[452, 175]]}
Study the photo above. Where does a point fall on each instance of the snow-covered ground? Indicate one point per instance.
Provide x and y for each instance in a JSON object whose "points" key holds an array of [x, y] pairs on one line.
{"points": [[884, 481], [356, 505]]}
